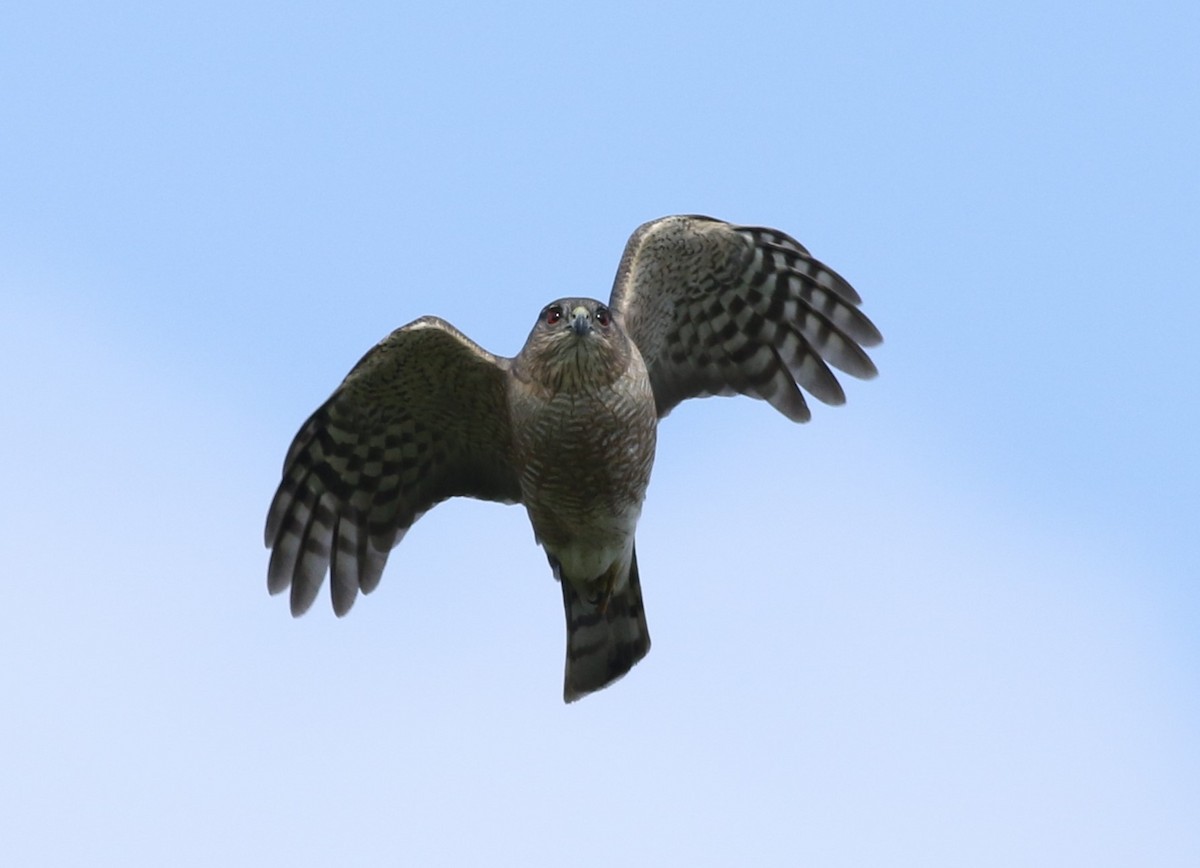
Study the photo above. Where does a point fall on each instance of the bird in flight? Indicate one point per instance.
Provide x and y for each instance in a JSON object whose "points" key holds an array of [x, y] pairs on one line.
{"points": [[566, 427]]}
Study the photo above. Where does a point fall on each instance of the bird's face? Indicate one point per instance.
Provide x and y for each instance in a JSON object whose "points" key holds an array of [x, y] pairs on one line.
{"points": [[580, 317], [575, 340]]}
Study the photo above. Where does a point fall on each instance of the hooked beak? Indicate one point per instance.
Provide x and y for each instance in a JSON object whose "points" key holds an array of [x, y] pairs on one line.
{"points": [[581, 321]]}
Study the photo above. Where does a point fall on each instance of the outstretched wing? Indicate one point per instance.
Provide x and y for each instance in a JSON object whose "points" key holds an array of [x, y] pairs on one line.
{"points": [[422, 417], [718, 309]]}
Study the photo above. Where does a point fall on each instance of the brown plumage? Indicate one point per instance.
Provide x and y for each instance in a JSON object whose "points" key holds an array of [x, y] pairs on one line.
{"points": [[567, 427]]}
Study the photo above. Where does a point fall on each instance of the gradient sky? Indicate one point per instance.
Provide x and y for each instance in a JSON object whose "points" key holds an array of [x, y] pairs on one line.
{"points": [[954, 622]]}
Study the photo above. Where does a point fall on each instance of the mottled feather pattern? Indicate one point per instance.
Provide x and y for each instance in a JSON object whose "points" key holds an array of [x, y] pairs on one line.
{"points": [[391, 442], [568, 426], [556, 447], [718, 309]]}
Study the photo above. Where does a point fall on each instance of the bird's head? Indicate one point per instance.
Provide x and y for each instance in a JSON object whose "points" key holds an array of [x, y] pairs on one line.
{"points": [[575, 343]]}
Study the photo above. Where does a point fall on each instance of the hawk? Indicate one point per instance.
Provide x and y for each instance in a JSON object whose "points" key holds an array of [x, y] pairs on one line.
{"points": [[566, 427]]}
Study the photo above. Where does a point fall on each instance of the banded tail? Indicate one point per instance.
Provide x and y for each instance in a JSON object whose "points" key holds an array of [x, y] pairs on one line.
{"points": [[603, 642]]}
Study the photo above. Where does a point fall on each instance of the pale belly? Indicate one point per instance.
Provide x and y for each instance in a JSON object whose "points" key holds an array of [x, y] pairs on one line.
{"points": [[589, 556], [587, 467]]}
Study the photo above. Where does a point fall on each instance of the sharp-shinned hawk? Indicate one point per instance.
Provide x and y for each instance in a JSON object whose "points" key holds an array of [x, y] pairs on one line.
{"points": [[566, 427]]}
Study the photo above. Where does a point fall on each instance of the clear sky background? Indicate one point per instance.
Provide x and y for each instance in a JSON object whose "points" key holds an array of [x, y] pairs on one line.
{"points": [[954, 622]]}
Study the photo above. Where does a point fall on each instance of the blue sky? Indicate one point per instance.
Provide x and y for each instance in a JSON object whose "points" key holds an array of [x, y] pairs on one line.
{"points": [[951, 623]]}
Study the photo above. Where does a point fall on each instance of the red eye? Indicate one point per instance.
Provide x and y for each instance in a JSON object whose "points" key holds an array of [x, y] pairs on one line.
{"points": [[602, 316], [553, 314]]}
